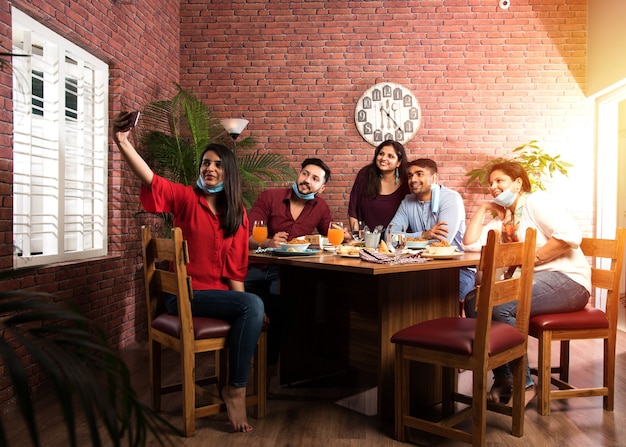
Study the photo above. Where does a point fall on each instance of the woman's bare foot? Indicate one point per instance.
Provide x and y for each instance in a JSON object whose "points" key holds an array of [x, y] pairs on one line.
{"points": [[501, 390], [235, 400]]}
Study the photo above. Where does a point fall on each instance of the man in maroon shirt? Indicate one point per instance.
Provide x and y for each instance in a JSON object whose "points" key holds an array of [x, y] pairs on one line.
{"points": [[295, 211], [289, 213]]}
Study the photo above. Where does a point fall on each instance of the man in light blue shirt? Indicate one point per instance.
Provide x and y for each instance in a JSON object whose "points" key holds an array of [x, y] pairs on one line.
{"points": [[433, 211]]}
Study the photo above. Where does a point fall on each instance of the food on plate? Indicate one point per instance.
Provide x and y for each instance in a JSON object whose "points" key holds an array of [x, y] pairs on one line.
{"points": [[382, 248], [297, 241], [314, 239], [441, 248], [348, 250], [415, 239], [295, 245]]}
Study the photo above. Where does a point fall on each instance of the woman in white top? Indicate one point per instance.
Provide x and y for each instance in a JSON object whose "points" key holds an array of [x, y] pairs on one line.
{"points": [[562, 278]]}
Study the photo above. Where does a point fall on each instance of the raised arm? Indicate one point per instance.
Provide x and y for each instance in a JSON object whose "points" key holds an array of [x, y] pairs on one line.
{"points": [[130, 154], [474, 228]]}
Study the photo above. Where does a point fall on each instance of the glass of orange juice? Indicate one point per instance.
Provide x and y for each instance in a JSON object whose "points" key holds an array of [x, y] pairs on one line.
{"points": [[259, 231], [335, 233]]}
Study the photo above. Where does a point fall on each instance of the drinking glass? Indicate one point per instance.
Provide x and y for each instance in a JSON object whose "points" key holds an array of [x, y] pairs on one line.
{"points": [[335, 234], [259, 231], [396, 238], [357, 230]]}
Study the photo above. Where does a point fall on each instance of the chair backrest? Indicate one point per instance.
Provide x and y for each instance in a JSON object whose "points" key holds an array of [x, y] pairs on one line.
{"points": [[496, 289], [165, 272], [609, 275]]}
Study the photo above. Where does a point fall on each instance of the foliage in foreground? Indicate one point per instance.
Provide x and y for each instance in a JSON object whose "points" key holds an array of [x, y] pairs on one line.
{"points": [[90, 382]]}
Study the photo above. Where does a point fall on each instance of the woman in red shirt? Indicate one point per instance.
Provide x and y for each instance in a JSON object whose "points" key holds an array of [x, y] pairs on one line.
{"points": [[213, 220]]}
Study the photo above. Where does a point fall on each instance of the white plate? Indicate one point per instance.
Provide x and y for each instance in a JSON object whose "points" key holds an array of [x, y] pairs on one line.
{"points": [[307, 252], [456, 254], [331, 248]]}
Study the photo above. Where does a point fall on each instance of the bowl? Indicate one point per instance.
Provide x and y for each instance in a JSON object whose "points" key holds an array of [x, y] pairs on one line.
{"points": [[422, 243], [294, 246], [441, 250]]}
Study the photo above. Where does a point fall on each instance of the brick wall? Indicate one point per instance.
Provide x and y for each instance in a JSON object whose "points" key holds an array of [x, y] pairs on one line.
{"points": [[487, 79], [140, 43]]}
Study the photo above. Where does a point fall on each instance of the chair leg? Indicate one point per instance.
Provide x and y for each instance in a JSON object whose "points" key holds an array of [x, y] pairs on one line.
{"points": [[188, 360], [519, 390], [479, 407], [564, 359], [260, 371], [543, 372], [154, 366], [221, 369], [449, 380], [609, 372], [402, 393]]}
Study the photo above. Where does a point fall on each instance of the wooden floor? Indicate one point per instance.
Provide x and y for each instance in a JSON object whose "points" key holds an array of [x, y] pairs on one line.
{"points": [[337, 411]]}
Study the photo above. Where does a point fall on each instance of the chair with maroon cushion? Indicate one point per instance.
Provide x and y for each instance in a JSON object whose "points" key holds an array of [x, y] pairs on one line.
{"points": [[478, 345], [165, 272], [589, 323]]}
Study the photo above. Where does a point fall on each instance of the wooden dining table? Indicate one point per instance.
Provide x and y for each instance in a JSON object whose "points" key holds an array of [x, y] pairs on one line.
{"points": [[348, 309]]}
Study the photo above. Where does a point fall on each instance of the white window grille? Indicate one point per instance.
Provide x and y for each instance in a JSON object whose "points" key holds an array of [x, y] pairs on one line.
{"points": [[60, 119]]}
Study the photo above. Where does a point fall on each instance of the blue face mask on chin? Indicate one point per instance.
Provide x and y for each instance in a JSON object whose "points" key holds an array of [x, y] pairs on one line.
{"points": [[209, 189], [506, 198], [308, 196]]}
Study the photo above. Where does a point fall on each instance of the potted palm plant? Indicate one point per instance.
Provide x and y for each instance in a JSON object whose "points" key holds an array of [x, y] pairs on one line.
{"points": [[533, 158], [176, 131], [86, 377]]}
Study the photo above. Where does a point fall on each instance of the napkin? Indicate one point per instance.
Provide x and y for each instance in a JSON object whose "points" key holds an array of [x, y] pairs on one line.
{"points": [[380, 258]]}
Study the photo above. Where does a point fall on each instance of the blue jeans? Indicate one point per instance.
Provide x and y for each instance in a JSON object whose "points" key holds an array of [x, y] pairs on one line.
{"points": [[553, 292], [467, 280], [244, 311], [281, 310], [265, 278]]}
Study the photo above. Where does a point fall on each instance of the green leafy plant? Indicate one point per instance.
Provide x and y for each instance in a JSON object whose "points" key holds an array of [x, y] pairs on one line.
{"points": [[86, 376], [175, 132], [538, 164]]}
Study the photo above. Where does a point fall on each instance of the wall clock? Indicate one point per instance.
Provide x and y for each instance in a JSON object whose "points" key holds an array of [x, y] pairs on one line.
{"points": [[387, 111]]}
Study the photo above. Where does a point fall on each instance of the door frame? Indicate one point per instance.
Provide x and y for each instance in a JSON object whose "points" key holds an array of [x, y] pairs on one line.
{"points": [[607, 154]]}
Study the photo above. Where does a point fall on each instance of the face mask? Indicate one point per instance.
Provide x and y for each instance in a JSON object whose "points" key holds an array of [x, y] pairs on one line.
{"points": [[308, 196], [506, 198], [209, 189]]}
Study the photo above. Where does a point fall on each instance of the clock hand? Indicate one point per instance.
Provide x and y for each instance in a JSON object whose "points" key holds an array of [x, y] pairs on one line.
{"points": [[389, 117]]}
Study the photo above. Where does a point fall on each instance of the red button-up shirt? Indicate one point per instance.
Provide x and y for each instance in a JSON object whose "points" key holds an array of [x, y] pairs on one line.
{"points": [[213, 259]]}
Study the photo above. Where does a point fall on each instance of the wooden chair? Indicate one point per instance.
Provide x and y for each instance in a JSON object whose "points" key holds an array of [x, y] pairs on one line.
{"points": [[165, 271], [477, 344], [588, 323]]}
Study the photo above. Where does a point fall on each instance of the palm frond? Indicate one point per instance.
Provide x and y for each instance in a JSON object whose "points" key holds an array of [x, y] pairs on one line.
{"points": [[86, 376], [175, 132]]}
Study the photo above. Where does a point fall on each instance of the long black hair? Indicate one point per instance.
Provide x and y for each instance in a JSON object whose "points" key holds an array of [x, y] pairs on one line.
{"points": [[230, 200], [372, 189]]}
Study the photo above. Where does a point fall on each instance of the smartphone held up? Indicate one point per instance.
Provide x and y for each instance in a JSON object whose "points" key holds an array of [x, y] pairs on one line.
{"points": [[131, 121]]}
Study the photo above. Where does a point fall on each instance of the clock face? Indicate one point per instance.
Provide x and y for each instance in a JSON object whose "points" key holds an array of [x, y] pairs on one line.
{"points": [[387, 111]]}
